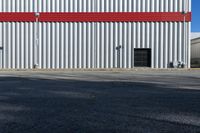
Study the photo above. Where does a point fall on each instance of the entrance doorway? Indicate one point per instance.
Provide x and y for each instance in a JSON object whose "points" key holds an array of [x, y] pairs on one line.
{"points": [[142, 57]]}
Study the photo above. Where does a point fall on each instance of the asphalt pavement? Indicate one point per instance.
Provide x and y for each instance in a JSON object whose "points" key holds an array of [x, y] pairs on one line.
{"points": [[98, 101]]}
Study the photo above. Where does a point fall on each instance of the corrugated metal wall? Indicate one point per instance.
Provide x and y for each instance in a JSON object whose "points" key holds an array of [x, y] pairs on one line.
{"points": [[93, 5], [91, 45], [195, 48]]}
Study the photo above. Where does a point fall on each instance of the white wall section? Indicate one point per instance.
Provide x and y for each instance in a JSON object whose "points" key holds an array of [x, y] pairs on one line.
{"points": [[94, 5], [91, 45]]}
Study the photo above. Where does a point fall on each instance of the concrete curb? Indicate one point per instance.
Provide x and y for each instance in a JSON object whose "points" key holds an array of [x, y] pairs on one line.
{"points": [[96, 70]]}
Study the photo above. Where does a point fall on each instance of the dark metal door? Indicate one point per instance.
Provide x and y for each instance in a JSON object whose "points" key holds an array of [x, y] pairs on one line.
{"points": [[142, 57]]}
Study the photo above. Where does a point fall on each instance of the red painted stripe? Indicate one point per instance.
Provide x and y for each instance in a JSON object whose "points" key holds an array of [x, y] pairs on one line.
{"points": [[97, 17], [17, 17], [115, 17]]}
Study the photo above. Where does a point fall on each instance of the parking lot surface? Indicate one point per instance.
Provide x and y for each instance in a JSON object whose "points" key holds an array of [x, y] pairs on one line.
{"points": [[96, 102]]}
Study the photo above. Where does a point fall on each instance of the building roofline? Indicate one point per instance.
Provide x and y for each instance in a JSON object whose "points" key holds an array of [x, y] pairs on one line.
{"points": [[197, 41], [195, 38]]}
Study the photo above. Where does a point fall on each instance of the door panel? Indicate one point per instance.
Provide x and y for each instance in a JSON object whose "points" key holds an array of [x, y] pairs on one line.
{"points": [[142, 57]]}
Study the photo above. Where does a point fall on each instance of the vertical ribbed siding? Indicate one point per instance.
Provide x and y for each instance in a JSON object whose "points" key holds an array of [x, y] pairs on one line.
{"points": [[91, 45], [195, 48], [93, 5], [17, 41], [1, 47]]}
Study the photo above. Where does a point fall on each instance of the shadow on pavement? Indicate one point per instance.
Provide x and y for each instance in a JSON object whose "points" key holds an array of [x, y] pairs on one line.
{"points": [[33, 105]]}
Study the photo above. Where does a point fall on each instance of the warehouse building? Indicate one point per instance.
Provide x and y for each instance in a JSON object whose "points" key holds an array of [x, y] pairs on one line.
{"points": [[195, 52], [68, 34], [194, 35]]}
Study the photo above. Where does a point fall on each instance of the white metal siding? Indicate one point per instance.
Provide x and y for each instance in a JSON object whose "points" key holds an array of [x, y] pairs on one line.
{"points": [[93, 5], [91, 45], [195, 49]]}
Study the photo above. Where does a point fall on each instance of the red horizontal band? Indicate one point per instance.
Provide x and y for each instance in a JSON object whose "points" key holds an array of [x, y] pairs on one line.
{"points": [[115, 17], [17, 17], [97, 17]]}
